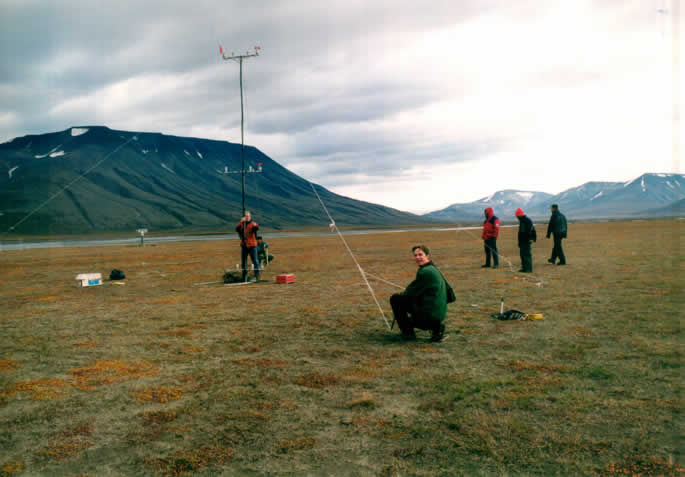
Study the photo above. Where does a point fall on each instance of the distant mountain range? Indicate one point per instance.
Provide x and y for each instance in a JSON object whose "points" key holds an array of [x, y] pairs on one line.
{"points": [[92, 179], [650, 195]]}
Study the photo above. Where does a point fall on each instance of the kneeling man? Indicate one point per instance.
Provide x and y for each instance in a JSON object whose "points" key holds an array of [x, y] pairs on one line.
{"points": [[423, 304]]}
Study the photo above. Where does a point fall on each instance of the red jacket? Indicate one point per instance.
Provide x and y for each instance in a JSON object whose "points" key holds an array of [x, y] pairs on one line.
{"points": [[249, 237], [491, 225]]}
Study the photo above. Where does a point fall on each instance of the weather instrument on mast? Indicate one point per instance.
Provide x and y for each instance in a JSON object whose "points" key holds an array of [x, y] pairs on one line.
{"points": [[242, 171]]}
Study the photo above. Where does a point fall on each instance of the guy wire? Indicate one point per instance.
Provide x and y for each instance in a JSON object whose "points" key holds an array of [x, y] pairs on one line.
{"points": [[361, 270]]}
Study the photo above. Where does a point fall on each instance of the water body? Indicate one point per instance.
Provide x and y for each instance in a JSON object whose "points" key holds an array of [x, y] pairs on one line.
{"points": [[28, 245]]}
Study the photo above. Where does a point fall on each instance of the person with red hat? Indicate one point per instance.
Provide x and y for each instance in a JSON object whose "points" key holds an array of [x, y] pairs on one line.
{"points": [[526, 236], [489, 235]]}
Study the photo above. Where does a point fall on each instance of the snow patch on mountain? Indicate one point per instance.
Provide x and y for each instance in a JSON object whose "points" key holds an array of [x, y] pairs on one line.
{"points": [[167, 168], [78, 131], [12, 170], [199, 155], [598, 195], [57, 154], [41, 156]]}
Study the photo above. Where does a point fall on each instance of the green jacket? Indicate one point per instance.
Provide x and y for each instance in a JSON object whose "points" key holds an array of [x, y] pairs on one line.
{"points": [[429, 293]]}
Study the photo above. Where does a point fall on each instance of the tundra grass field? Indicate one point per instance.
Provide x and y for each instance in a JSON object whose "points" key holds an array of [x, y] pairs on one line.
{"points": [[162, 376]]}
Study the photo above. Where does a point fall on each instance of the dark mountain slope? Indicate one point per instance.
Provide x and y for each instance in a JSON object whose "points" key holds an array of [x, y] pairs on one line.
{"points": [[97, 179]]}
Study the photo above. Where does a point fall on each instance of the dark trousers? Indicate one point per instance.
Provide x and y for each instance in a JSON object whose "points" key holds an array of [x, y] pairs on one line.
{"points": [[526, 257], [407, 320], [252, 252], [557, 251], [490, 246], [263, 260]]}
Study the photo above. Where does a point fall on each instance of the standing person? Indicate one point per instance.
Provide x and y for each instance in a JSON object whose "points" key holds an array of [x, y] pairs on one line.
{"points": [[247, 230], [263, 254], [490, 233], [423, 304], [557, 227], [527, 234]]}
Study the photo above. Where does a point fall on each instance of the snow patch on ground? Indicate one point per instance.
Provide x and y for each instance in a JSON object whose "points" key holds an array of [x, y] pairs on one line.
{"points": [[167, 168], [78, 131], [598, 195], [12, 170]]}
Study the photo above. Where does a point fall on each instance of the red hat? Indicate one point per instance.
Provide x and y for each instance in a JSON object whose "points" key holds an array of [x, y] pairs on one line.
{"points": [[519, 212]]}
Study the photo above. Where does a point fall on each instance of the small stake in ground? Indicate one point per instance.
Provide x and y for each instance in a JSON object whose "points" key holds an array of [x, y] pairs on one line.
{"points": [[142, 233]]}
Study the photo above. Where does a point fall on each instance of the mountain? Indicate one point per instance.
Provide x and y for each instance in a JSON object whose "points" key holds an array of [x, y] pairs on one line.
{"points": [[649, 195], [504, 202], [92, 178]]}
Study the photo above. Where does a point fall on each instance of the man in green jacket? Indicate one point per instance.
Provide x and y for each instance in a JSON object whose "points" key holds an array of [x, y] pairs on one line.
{"points": [[423, 304]]}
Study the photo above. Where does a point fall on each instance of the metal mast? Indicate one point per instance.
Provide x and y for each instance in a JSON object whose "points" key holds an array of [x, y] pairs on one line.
{"points": [[239, 59]]}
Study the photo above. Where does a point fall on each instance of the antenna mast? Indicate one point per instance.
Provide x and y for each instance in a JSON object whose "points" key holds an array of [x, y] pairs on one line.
{"points": [[239, 59]]}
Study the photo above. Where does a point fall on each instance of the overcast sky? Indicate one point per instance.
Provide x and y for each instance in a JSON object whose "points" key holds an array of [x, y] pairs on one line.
{"points": [[407, 103]]}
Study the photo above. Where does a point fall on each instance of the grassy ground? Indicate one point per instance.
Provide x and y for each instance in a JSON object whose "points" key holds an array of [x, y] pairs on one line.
{"points": [[163, 377]]}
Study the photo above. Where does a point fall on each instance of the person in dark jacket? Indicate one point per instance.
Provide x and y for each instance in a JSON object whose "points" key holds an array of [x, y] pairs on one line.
{"points": [[247, 230], [558, 228], [490, 233], [526, 236], [265, 258], [423, 304]]}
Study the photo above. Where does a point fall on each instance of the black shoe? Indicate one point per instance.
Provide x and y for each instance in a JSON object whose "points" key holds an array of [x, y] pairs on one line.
{"points": [[522, 271], [485, 266], [409, 336], [438, 336], [551, 261], [495, 266], [561, 263]]}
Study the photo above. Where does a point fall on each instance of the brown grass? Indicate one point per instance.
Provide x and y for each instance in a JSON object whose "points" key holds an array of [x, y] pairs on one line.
{"points": [[305, 379], [162, 394], [108, 372], [9, 365]]}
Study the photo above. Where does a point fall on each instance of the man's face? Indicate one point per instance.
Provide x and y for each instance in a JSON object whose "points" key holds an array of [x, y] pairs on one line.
{"points": [[420, 257], [248, 217]]}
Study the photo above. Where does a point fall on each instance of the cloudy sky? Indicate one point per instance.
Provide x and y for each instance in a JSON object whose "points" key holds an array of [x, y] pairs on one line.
{"points": [[407, 103]]}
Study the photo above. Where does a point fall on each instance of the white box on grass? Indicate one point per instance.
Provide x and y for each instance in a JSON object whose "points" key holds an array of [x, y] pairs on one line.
{"points": [[88, 279]]}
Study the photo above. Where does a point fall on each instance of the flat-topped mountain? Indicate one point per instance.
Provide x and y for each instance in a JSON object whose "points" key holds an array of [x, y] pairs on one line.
{"points": [[93, 178]]}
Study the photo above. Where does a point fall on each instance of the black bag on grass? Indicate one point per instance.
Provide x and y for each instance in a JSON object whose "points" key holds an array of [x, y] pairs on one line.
{"points": [[233, 277], [509, 315], [116, 275]]}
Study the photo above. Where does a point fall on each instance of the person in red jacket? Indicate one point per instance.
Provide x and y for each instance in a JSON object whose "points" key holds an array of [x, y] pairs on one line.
{"points": [[490, 233], [247, 230]]}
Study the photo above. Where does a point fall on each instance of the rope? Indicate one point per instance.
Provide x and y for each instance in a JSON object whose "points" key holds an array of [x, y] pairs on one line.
{"points": [[361, 270], [385, 281]]}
